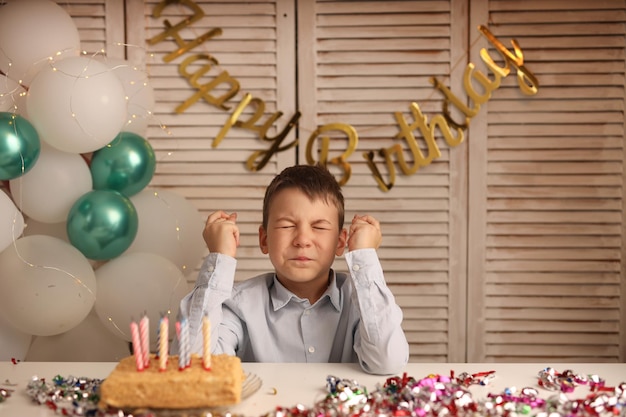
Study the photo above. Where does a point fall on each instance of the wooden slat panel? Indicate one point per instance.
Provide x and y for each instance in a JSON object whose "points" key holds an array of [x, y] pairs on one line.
{"points": [[349, 73], [217, 178], [552, 244]]}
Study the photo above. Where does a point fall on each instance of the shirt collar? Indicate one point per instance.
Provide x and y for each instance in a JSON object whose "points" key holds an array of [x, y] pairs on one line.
{"points": [[281, 296]]}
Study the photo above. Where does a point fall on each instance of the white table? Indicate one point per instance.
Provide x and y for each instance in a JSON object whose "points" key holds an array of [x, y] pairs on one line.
{"points": [[291, 384]]}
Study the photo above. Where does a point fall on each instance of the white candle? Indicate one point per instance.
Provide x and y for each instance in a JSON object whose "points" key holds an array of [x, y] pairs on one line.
{"points": [[181, 345], [184, 332], [206, 343]]}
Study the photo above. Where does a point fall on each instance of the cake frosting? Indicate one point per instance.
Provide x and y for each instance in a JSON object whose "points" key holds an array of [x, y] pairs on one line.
{"points": [[192, 387]]}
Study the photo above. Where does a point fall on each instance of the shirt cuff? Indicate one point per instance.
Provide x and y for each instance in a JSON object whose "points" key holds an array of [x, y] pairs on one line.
{"points": [[217, 272], [364, 266]]}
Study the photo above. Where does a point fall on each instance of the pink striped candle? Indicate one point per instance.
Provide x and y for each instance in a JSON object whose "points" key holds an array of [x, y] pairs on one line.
{"points": [[206, 343], [181, 347], [134, 332], [144, 335], [163, 343], [158, 338]]}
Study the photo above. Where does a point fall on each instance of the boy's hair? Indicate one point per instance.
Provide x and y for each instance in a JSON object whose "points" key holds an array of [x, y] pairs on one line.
{"points": [[315, 181]]}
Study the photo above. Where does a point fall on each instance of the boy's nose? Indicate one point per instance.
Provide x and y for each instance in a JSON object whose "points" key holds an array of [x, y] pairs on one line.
{"points": [[302, 237]]}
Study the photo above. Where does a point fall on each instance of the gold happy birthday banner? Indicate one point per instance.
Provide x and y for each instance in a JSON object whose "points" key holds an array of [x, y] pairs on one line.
{"points": [[452, 130]]}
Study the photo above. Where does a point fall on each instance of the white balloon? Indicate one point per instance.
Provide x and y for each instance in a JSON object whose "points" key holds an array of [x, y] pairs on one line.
{"points": [[170, 226], [139, 92], [87, 342], [11, 221], [14, 344], [137, 283], [31, 33], [77, 104], [47, 285], [49, 190]]}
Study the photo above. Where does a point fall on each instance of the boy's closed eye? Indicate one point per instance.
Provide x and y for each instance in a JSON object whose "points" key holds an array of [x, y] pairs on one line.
{"points": [[284, 225], [322, 225], [316, 226]]}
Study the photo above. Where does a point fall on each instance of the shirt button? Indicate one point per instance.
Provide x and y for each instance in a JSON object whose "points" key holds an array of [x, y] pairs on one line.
{"points": [[307, 312], [355, 267], [211, 268], [311, 349]]}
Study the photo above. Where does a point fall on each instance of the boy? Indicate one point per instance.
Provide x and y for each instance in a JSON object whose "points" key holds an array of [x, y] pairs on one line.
{"points": [[304, 311]]}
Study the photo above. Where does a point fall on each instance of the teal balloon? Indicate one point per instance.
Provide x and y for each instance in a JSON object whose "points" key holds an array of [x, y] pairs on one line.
{"points": [[19, 146], [127, 164], [102, 224]]}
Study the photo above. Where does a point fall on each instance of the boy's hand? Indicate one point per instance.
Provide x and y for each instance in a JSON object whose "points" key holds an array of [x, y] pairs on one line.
{"points": [[364, 233], [221, 233]]}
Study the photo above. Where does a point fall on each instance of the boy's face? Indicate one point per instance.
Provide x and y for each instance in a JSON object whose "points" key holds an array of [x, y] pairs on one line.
{"points": [[302, 240]]}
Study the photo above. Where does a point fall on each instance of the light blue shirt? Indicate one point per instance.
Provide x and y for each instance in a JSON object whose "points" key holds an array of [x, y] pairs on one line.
{"points": [[355, 320]]}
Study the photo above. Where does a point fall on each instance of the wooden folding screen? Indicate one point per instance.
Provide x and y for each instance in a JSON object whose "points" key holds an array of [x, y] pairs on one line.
{"points": [[507, 246]]}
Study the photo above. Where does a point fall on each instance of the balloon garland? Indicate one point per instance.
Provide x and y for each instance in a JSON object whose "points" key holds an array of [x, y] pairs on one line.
{"points": [[72, 154]]}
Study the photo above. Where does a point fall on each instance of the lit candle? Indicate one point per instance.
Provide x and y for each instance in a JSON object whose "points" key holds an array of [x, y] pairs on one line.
{"points": [[134, 332], [163, 343], [144, 335], [206, 343]]}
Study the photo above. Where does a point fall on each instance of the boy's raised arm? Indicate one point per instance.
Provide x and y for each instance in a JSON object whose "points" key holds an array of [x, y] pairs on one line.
{"points": [[380, 342], [215, 279]]}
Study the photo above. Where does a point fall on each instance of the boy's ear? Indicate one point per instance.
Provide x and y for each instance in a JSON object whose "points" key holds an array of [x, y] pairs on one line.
{"points": [[263, 240], [341, 243]]}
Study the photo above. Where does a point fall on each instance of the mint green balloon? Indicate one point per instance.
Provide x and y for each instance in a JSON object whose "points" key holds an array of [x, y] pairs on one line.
{"points": [[19, 146], [102, 224], [127, 164]]}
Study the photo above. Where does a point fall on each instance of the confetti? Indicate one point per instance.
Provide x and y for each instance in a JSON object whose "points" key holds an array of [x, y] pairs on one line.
{"points": [[448, 396], [398, 396], [4, 394], [69, 396]]}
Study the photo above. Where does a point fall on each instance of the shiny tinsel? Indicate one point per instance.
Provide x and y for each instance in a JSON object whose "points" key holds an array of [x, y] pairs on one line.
{"points": [[398, 396]]}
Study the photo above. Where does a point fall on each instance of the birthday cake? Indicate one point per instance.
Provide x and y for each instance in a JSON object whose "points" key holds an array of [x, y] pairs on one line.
{"points": [[173, 388]]}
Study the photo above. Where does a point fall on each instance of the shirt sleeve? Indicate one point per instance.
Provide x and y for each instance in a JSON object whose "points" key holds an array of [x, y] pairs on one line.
{"points": [[213, 286], [379, 342]]}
